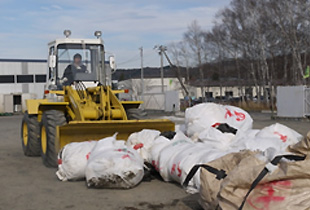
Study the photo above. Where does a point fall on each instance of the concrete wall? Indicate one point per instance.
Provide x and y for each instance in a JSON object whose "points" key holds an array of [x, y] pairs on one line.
{"points": [[154, 85], [153, 97]]}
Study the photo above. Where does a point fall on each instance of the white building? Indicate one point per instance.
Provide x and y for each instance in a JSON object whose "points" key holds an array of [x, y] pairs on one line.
{"points": [[153, 85], [20, 79], [155, 96]]}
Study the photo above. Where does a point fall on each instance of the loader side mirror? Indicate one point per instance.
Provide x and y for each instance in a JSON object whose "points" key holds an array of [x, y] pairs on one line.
{"points": [[52, 61], [112, 63]]}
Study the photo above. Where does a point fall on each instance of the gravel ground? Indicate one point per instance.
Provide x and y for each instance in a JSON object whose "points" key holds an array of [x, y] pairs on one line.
{"points": [[27, 184]]}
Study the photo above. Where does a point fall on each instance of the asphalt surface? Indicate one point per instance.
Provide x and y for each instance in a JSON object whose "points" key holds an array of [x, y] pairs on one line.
{"points": [[26, 183]]}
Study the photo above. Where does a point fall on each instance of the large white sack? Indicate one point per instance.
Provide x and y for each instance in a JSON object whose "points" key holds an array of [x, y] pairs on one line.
{"points": [[204, 158], [72, 160], [237, 118], [243, 137], [276, 136], [202, 116], [179, 143], [106, 143], [216, 139], [159, 143], [180, 127], [188, 156], [284, 134], [183, 161], [142, 142], [112, 164], [262, 144]]}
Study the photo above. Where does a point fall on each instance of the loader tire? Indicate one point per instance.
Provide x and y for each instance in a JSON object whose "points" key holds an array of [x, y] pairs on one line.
{"points": [[50, 119], [136, 114], [30, 132]]}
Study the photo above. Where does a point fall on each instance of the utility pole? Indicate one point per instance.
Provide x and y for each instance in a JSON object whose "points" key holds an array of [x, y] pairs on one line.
{"points": [[161, 52], [142, 76], [178, 73], [162, 69]]}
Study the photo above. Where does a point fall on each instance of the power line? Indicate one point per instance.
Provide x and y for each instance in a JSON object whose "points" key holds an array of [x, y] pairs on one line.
{"points": [[134, 58]]}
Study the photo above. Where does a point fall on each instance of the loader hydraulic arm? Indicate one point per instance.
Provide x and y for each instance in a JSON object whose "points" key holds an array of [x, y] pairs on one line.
{"points": [[96, 103]]}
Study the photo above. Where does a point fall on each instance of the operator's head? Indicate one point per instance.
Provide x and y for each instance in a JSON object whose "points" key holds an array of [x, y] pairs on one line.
{"points": [[77, 58]]}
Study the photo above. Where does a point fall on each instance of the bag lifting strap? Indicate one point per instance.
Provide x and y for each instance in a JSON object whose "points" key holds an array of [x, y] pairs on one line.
{"points": [[220, 174], [263, 173]]}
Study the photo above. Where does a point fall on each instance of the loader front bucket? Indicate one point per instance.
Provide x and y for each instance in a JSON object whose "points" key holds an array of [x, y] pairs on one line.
{"points": [[78, 131]]}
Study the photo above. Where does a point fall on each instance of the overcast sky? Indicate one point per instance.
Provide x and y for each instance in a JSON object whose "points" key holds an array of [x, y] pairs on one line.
{"points": [[27, 26]]}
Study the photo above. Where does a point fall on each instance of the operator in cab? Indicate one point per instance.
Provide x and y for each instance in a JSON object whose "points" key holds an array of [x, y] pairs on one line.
{"points": [[76, 67]]}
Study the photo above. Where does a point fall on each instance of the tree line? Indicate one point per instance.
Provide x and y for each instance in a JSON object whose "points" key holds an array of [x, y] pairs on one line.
{"points": [[268, 40]]}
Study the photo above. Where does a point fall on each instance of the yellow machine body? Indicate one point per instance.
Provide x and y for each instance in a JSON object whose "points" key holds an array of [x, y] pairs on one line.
{"points": [[77, 131], [92, 114]]}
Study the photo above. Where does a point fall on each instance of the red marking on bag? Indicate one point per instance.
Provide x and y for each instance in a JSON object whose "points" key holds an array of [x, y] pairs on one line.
{"points": [[228, 112], [155, 165], [173, 168], [282, 137], [179, 170], [138, 146], [270, 193], [59, 161], [239, 115], [121, 150], [215, 125], [125, 156], [87, 156]]}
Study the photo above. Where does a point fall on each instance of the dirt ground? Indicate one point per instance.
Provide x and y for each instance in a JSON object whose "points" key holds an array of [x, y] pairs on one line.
{"points": [[26, 184]]}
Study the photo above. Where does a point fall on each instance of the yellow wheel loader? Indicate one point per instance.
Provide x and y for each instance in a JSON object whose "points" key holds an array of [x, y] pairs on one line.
{"points": [[78, 103]]}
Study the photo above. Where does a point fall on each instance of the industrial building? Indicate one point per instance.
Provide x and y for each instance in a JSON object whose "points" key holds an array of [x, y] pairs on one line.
{"points": [[20, 79]]}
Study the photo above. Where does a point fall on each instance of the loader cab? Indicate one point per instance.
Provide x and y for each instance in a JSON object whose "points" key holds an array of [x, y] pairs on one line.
{"points": [[92, 67]]}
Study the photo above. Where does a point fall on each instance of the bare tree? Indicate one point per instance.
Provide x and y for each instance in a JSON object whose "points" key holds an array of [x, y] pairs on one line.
{"points": [[177, 54], [195, 39], [290, 26], [267, 39]]}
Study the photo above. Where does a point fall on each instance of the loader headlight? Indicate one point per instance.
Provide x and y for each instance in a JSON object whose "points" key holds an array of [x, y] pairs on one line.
{"points": [[98, 34], [67, 33]]}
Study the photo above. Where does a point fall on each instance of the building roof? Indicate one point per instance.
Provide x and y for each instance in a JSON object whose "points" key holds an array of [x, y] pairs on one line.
{"points": [[23, 60]]}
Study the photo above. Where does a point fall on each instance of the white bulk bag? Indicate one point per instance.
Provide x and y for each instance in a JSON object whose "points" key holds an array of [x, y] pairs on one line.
{"points": [[179, 143], [142, 142], [114, 165], [159, 143], [72, 160], [202, 116], [216, 139], [284, 134]]}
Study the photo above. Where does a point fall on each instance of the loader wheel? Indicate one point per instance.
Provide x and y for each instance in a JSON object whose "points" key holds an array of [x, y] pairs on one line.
{"points": [[50, 119], [30, 132], [136, 114]]}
